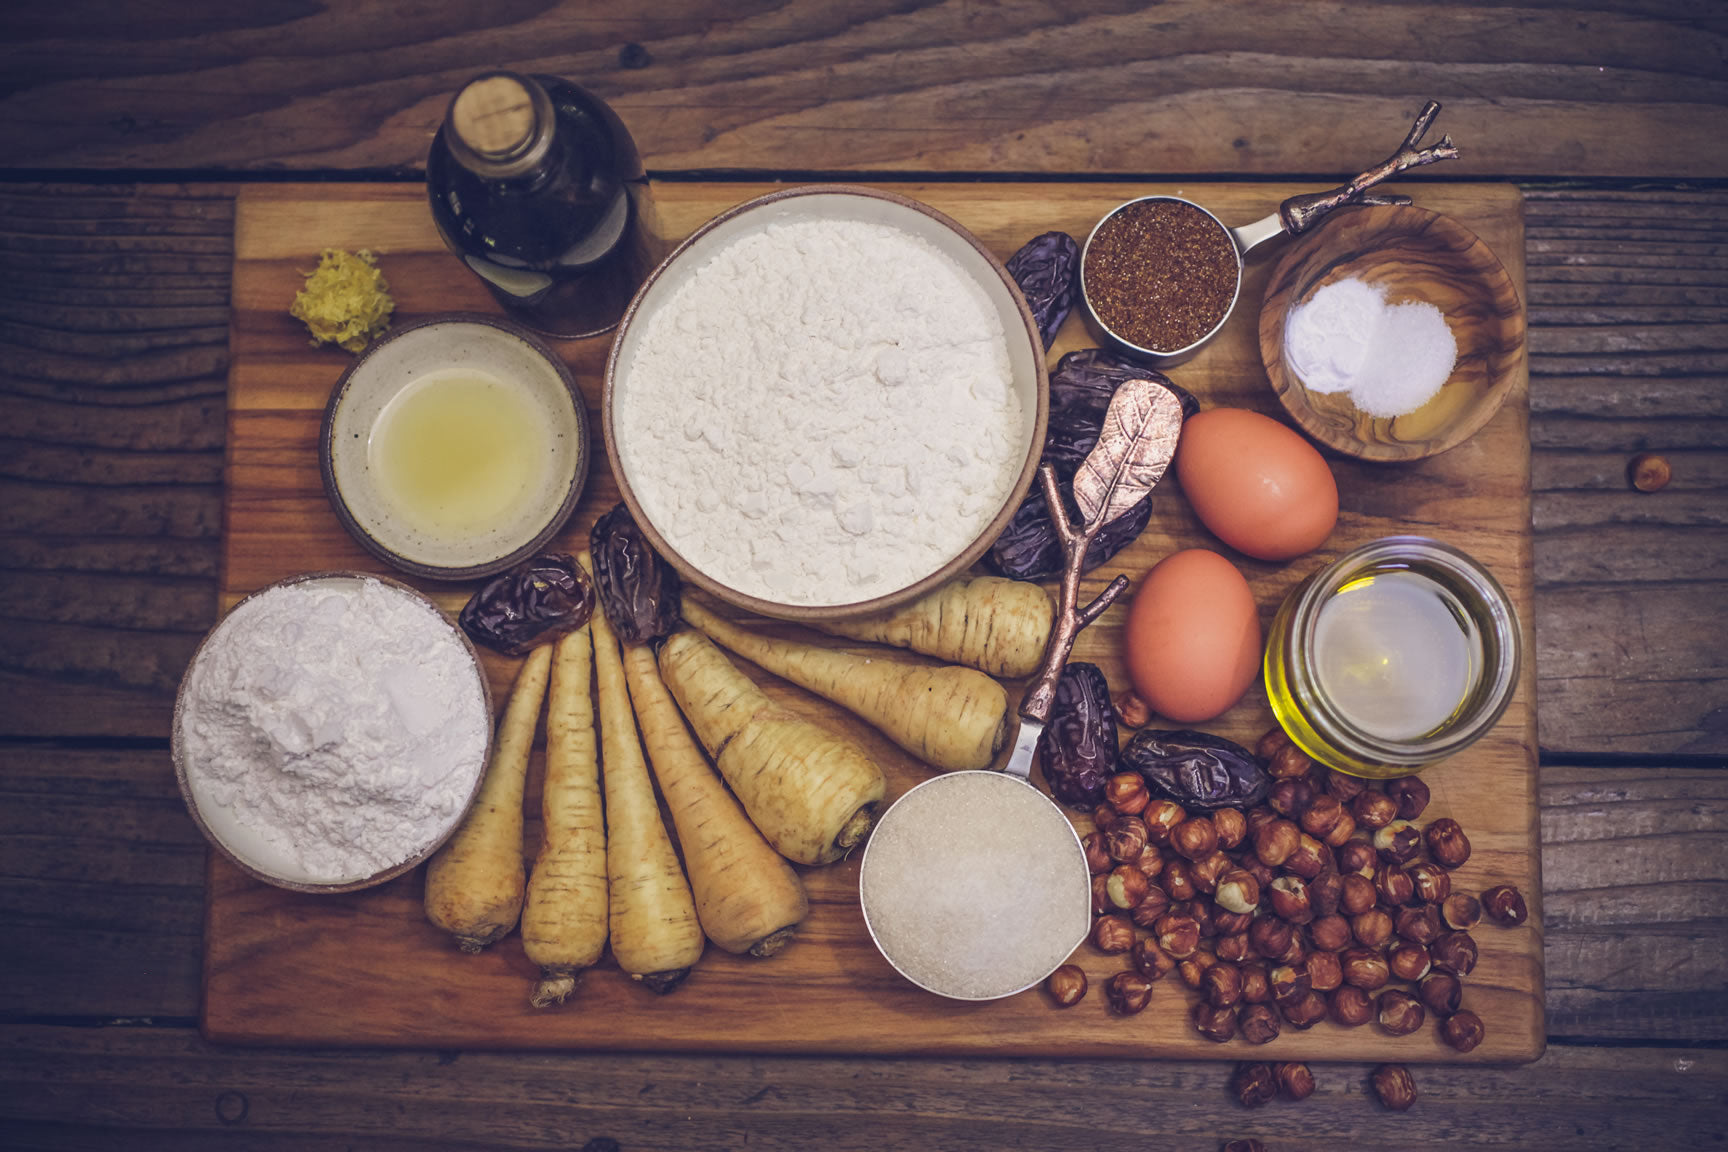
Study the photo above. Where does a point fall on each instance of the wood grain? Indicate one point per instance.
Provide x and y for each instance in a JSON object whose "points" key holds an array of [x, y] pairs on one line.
{"points": [[167, 1089], [286, 968], [1192, 86]]}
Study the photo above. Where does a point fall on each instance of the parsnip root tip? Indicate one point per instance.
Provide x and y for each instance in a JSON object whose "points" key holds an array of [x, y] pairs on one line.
{"points": [[773, 942], [553, 988], [664, 982]]}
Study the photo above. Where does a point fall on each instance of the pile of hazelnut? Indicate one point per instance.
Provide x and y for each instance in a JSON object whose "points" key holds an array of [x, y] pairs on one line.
{"points": [[1313, 905]]}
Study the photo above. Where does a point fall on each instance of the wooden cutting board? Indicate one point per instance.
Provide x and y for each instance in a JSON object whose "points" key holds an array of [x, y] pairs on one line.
{"points": [[366, 969]]}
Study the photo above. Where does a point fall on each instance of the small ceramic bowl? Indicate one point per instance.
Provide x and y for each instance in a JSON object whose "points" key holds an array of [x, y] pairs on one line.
{"points": [[1023, 347], [253, 848], [455, 446], [1413, 254]]}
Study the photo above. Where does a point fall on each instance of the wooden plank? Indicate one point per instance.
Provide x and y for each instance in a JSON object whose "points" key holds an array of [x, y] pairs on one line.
{"points": [[1254, 87], [268, 950], [148, 1089]]}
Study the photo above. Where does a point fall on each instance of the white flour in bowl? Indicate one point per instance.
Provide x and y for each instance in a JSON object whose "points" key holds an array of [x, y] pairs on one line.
{"points": [[822, 413], [335, 727]]}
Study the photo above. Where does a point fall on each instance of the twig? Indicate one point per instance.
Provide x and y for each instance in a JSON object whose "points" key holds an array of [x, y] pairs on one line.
{"points": [[1300, 213]]}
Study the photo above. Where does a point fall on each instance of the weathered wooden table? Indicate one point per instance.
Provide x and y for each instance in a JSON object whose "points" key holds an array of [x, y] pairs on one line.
{"points": [[127, 136]]}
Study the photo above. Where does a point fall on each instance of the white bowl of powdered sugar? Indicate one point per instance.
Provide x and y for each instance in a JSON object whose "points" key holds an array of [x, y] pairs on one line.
{"points": [[331, 731], [826, 401]]}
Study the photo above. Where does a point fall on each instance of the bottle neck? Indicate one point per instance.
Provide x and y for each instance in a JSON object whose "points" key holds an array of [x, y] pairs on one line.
{"points": [[500, 127]]}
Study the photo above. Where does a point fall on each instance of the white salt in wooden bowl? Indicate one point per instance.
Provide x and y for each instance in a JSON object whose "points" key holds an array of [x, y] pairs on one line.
{"points": [[1023, 347]]}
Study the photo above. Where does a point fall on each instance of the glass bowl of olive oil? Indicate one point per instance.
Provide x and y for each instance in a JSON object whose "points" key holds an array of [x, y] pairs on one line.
{"points": [[1398, 654], [455, 447]]}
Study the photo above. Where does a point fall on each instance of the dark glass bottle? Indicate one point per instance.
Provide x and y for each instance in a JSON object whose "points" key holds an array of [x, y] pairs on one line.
{"points": [[537, 186]]}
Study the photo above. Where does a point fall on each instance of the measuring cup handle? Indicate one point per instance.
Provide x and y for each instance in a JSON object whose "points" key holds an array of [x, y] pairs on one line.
{"points": [[1251, 236]]}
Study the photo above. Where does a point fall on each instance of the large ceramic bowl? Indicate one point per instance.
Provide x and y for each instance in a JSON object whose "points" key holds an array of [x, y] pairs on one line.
{"points": [[656, 471], [250, 723]]}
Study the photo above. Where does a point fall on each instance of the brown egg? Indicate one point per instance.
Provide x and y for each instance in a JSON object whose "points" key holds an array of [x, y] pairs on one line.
{"points": [[1259, 486], [1193, 636]]}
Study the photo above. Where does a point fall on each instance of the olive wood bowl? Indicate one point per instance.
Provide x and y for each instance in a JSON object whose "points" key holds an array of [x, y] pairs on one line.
{"points": [[1414, 254]]}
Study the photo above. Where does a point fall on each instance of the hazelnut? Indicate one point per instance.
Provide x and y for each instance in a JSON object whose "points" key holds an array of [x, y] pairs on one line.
{"points": [[1209, 870], [1160, 816], [1364, 968], [1408, 961], [1321, 816], [1259, 1023], [1193, 970], [1112, 934], [1177, 935], [1101, 895], [1343, 785], [1252, 865], [1126, 792], [1395, 1087], [1303, 1010], [1325, 892], [1440, 993], [1295, 1081], [1289, 797], [1350, 1006], [1216, 1024], [1372, 928], [1231, 923], [1254, 1085], [1194, 838], [1410, 794], [1421, 924], [1231, 826], [1289, 980], [1330, 933], [1234, 948], [1127, 992], [1288, 762], [1066, 985], [1270, 935], [1154, 904], [1504, 905], [1097, 853], [1177, 881], [1341, 831], [1126, 839], [1238, 891], [1461, 911], [1293, 951], [1222, 984], [1357, 856], [1398, 1012], [1151, 862], [1126, 886], [1256, 983], [1268, 744], [1374, 810], [1275, 841], [1103, 816], [1201, 909], [1150, 960], [1357, 894], [1462, 1030], [1398, 842], [1325, 971], [1258, 815], [1454, 952], [1310, 858], [1433, 883], [1290, 899], [1447, 843], [1131, 711], [1649, 472], [1394, 885]]}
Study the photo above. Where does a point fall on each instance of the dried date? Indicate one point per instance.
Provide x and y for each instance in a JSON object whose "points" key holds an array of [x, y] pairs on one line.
{"points": [[538, 600], [1048, 272], [638, 591], [1078, 747], [1198, 770]]}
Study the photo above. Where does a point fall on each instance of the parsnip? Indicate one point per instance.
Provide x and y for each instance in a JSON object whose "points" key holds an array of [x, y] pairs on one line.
{"points": [[656, 937], [564, 921], [994, 625], [747, 897], [812, 793], [950, 718], [475, 882]]}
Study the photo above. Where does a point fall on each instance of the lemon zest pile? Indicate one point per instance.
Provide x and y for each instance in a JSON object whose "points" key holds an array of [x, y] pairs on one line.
{"points": [[346, 301]]}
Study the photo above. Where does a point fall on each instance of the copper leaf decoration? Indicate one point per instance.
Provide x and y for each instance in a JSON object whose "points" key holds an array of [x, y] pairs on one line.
{"points": [[1139, 438]]}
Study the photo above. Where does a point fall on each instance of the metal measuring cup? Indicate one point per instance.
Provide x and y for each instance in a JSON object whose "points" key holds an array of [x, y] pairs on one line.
{"points": [[1294, 216]]}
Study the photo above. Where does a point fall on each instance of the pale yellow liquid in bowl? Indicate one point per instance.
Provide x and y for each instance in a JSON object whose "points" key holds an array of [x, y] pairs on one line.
{"points": [[460, 451]]}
